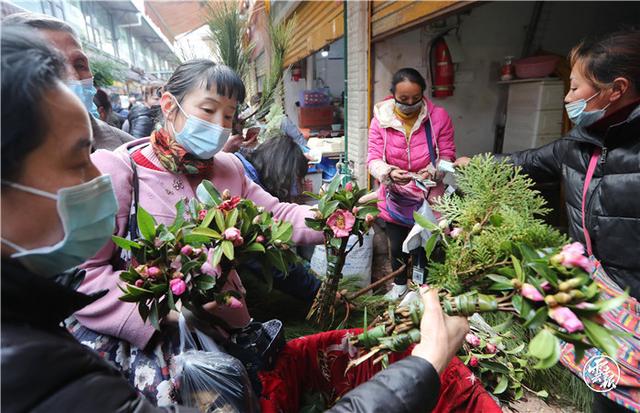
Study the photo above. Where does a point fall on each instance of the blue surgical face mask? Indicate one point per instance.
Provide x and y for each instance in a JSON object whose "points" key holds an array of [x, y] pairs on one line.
{"points": [[200, 138], [85, 91], [578, 116], [87, 212], [409, 109]]}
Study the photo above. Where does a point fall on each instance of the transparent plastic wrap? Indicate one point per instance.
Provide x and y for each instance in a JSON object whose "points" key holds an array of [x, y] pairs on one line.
{"points": [[210, 379]]}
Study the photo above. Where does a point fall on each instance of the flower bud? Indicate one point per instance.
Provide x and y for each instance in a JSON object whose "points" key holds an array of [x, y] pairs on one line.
{"points": [[178, 286], [530, 292], [473, 362], [260, 210], [476, 228], [277, 243], [202, 214], [153, 272], [472, 339], [576, 294], [455, 233], [233, 302], [348, 187], [284, 247], [139, 283], [562, 298], [177, 274], [551, 301], [226, 194], [516, 283], [556, 259], [257, 220], [317, 215], [369, 218], [569, 284], [443, 224], [355, 210], [186, 250], [260, 239], [491, 348]]}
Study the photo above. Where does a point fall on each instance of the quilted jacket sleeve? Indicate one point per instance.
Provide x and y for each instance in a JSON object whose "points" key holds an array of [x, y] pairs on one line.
{"points": [[407, 386], [543, 164]]}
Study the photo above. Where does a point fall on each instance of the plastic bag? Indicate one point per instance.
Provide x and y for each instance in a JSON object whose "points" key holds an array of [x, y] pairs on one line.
{"points": [[418, 235], [210, 379]]}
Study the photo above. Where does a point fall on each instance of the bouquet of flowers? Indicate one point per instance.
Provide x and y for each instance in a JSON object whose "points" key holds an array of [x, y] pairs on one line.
{"points": [[339, 214], [189, 261], [501, 257]]}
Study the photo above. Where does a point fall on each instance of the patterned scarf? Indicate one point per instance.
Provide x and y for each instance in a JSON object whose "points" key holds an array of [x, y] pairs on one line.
{"points": [[175, 158]]}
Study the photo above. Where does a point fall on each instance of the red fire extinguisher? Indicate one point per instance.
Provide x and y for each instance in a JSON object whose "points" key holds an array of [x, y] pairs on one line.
{"points": [[296, 73], [442, 69]]}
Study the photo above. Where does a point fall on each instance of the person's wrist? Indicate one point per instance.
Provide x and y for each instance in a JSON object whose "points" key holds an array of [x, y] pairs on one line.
{"points": [[437, 360]]}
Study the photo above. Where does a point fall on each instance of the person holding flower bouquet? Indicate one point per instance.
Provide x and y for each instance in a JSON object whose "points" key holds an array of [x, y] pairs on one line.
{"points": [[599, 165], [155, 173]]}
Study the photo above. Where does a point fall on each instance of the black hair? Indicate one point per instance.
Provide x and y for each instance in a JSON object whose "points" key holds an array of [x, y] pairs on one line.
{"points": [[101, 99], [610, 56], [29, 69], [280, 164], [39, 22], [205, 73], [409, 74]]}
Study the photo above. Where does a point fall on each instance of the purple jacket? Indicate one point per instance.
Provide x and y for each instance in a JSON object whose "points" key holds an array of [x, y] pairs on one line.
{"points": [[159, 193], [390, 147]]}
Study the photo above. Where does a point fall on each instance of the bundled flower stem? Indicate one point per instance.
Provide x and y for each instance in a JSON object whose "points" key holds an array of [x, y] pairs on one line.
{"points": [[339, 214]]}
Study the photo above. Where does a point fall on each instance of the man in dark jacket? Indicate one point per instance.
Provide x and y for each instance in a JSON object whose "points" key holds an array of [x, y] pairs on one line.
{"points": [[62, 36], [142, 117]]}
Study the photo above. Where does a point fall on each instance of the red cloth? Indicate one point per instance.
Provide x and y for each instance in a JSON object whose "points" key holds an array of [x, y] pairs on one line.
{"points": [[318, 363]]}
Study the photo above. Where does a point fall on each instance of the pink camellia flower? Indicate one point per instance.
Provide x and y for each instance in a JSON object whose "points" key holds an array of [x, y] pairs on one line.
{"points": [[231, 234], [572, 255], [472, 339], [233, 302], [455, 233], [153, 272], [355, 210], [531, 292], [176, 263], [348, 187], [186, 250], [546, 286], [202, 214], [139, 283], [491, 348], [260, 239], [473, 362], [566, 319], [341, 222], [178, 286], [230, 204], [369, 219]]}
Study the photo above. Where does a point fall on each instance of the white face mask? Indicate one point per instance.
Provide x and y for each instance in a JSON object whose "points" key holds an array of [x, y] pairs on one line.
{"points": [[578, 116], [200, 138]]}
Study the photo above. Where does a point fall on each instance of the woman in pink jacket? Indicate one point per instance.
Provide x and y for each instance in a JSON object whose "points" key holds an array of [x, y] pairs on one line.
{"points": [[408, 137], [198, 104]]}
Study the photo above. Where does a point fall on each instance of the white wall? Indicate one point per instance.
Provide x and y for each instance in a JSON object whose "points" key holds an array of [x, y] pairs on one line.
{"points": [[490, 32]]}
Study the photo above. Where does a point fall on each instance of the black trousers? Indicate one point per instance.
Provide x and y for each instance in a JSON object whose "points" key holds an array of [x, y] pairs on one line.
{"points": [[397, 235], [603, 405]]}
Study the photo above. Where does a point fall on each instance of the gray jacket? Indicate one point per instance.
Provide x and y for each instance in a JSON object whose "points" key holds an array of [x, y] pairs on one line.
{"points": [[106, 136]]}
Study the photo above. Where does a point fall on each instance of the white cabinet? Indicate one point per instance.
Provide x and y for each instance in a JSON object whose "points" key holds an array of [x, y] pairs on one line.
{"points": [[534, 114]]}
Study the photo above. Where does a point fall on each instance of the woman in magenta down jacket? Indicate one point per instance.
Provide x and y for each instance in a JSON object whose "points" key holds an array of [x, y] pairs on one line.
{"points": [[399, 151]]}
